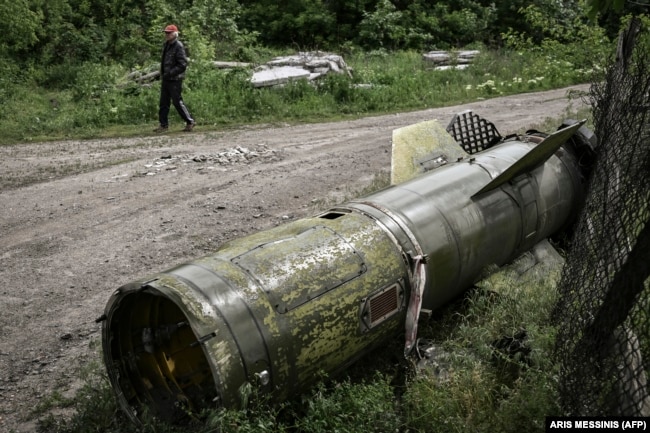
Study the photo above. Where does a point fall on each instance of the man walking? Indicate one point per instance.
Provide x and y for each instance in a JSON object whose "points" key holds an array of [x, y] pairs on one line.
{"points": [[172, 72]]}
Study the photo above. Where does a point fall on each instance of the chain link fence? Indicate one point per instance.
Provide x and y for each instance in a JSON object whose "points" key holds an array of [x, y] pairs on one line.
{"points": [[603, 311]]}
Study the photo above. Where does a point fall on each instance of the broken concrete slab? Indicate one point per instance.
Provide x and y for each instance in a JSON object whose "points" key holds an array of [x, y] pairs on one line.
{"points": [[315, 63], [446, 57], [450, 60], [447, 67], [231, 65], [279, 75]]}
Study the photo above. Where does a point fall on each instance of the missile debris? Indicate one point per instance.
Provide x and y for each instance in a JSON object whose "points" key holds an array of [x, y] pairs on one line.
{"points": [[275, 309]]}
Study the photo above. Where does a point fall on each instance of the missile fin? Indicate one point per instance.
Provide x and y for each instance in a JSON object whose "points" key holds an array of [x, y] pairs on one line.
{"points": [[420, 148], [534, 158]]}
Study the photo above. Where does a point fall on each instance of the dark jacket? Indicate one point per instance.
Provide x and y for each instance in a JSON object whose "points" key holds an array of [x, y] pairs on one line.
{"points": [[174, 61]]}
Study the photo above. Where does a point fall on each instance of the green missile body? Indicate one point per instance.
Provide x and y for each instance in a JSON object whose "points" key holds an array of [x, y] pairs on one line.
{"points": [[275, 309]]}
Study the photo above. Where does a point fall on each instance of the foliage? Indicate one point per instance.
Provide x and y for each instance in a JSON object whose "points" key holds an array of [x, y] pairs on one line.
{"points": [[462, 23], [351, 407], [19, 26], [57, 35], [382, 27], [95, 404], [95, 98], [46, 34], [558, 47], [600, 6], [342, 406], [570, 29]]}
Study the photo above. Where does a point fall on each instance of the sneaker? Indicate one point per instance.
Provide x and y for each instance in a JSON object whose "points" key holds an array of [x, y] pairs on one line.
{"points": [[189, 127], [161, 129]]}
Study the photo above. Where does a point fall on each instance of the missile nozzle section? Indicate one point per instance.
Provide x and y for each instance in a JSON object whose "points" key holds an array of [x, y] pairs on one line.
{"points": [[272, 310], [156, 359]]}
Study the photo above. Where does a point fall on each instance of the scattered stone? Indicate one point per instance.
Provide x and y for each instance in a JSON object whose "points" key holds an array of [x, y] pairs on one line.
{"points": [[312, 65], [236, 155], [447, 67]]}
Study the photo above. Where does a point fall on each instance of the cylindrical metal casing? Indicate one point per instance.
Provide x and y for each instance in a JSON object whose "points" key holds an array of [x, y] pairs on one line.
{"points": [[460, 233], [274, 309], [277, 308]]}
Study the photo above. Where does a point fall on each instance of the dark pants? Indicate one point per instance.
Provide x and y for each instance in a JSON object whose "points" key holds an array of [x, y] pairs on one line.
{"points": [[171, 91]]}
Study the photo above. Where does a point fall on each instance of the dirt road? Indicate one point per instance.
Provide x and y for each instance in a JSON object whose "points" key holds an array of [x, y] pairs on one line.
{"points": [[80, 218]]}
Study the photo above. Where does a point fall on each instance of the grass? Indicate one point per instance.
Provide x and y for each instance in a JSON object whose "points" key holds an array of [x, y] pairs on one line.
{"points": [[490, 387], [103, 104]]}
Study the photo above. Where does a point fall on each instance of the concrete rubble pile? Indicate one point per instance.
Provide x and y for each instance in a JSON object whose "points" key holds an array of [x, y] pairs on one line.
{"points": [[232, 156], [443, 60], [278, 71], [311, 65], [307, 65]]}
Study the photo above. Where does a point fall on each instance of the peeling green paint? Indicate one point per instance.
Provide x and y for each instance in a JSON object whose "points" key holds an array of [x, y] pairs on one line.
{"points": [[302, 286]]}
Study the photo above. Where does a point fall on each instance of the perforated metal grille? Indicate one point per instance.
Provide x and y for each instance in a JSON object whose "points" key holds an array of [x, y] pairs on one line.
{"points": [[383, 305], [473, 132]]}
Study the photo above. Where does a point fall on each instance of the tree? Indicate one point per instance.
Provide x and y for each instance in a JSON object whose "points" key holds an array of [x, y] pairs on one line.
{"points": [[594, 7], [383, 27], [302, 23], [19, 25]]}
